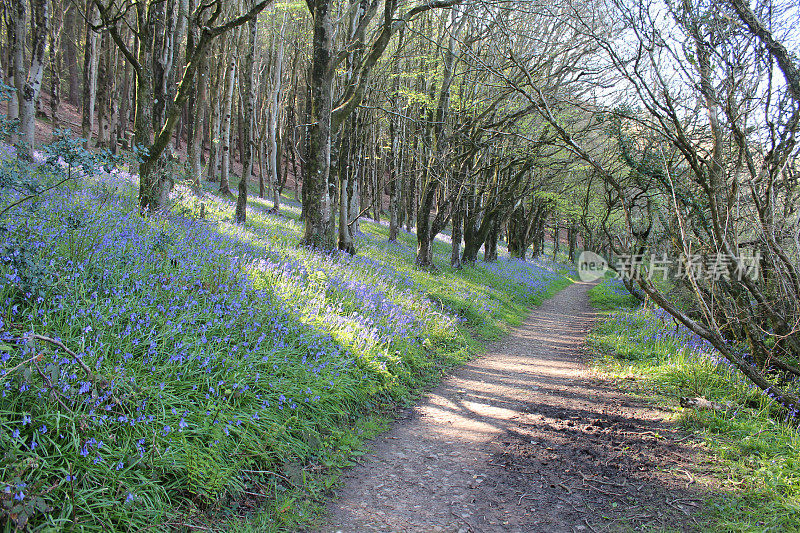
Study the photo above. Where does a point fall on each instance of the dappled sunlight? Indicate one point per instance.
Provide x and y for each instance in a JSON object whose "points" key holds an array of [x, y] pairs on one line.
{"points": [[525, 420], [216, 341]]}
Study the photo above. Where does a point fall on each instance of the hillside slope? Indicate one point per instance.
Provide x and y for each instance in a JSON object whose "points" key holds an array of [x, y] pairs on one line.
{"points": [[184, 365]]}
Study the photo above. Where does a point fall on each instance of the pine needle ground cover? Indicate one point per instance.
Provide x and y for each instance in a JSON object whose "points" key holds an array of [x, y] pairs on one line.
{"points": [[754, 449], [168, 371]]}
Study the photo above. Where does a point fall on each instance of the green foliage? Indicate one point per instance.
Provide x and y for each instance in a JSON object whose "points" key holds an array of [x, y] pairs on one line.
{"points": [[611, 294], [18, 175], [35, 278], [7, 126], [417, 99], [73, 154], [755, 455], [230, 361]]}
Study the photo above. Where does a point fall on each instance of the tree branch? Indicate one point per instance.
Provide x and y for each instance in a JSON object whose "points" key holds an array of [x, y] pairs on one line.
{"points": [[775, 48]]}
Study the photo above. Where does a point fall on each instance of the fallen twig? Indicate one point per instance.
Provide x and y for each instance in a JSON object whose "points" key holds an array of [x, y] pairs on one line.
{"points": [[469, 526], [52, 387], [72, 354], [254, 494], [34, 195], [688, 501], [276, 474], [32, 359], [688, 474], [677, 508], [585, 478]]}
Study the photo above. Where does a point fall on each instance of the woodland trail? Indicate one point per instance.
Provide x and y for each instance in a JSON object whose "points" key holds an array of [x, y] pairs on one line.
{"points": [[525, 439]]}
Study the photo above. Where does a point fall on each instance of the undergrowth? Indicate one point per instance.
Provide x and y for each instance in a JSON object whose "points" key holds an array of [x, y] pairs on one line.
{"points": [[608, 295], [175, 371], [756, 454]]}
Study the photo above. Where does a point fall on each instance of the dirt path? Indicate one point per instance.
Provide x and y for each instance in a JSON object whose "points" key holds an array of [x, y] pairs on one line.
{"points": [[525, 439]]}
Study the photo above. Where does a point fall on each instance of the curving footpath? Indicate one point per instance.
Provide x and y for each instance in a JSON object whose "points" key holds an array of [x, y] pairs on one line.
{"points": [[525, 439]]}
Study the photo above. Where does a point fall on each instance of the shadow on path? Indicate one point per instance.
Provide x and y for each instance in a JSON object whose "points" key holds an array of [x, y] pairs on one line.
{"points": [[524, 439]]}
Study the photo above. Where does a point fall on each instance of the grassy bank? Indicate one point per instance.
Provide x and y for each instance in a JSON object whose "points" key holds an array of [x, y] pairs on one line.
{"points": [[755, 455], [203, 373]]}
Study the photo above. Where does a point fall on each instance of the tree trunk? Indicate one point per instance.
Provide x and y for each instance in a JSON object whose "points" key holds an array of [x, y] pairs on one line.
{"points": [[556, 239], [517, 234], [457, 234], [104, 89], [538, 239], [318, 201], [212, 175], [179, 18], [394, 184], [354, 201], [411, 197], [395, 176], [230, 79], [248, 106], [162, 24], [345, 240], [194, 153], [71, 55], [471, 248], [274, 160], [490, 246], [40, 11], [377, 190], [424, 257], [89, 74], [573, 241], [262, 189], [17, 31], [346, 174], [471, 221], [125, 98], [56, 52], [154, 184]]}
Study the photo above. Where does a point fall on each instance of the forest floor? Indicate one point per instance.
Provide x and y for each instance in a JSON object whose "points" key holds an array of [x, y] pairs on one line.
{"points": [[528, 439]]}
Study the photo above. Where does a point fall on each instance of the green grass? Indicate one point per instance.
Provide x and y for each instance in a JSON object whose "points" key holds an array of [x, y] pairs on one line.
{"points": [[240, 371], [755, 455], [608, 295]]}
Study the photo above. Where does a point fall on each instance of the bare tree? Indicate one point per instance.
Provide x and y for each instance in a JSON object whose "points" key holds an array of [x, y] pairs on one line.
{"points": [[708, 136], [154, 136], [325, 117]]}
